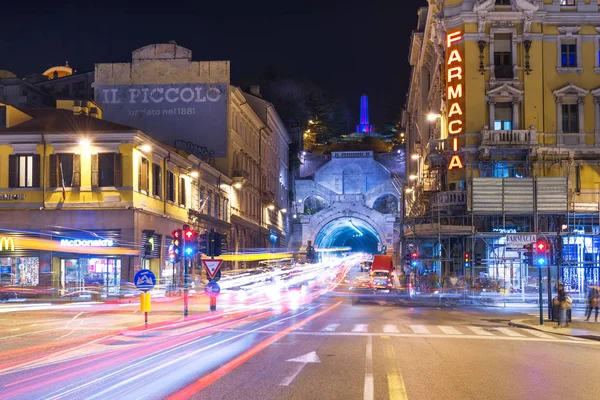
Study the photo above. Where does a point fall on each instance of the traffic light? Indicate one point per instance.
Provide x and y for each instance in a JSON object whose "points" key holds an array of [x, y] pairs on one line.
{"points": [[190, 241], [178, 246], [541, 248], [477, 260], [467, 259], [148, 244], [528, 254], [217, 244], [414, 256], [407, 259], [383, 249], [203, 243]]}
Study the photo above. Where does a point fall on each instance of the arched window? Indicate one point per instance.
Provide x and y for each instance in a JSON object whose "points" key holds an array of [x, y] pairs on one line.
{"points": [[386, 204], [314, 204]]}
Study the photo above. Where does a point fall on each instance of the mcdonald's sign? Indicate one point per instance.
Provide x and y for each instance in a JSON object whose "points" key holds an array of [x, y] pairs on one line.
{"points": [[7, 244]]}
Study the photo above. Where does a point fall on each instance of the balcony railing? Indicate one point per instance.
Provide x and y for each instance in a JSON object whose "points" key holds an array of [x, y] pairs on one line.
{"points": [[504, 72], [240, 174], [450, 199], [352, 154], [523, 138]]}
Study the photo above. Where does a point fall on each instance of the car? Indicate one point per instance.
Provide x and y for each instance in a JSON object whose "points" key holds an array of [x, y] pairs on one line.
{"points": [[365, 266], [381, 280]]}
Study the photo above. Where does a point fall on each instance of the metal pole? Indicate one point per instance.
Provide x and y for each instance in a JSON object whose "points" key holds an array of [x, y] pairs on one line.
{"points": [[185, 286], [541, 295]]}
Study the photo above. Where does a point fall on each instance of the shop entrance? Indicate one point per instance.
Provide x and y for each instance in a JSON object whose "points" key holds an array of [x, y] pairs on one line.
{"points": [[80, 275]]}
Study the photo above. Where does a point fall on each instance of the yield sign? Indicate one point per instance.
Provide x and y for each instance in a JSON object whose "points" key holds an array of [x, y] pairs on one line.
{"points": [[212, 266]]}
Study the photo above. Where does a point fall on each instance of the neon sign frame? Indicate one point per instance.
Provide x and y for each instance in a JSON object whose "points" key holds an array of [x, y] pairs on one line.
{"points": [[455, 94]]}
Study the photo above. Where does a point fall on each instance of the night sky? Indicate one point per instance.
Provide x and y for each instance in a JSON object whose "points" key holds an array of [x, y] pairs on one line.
{"points": [[351, 47]]}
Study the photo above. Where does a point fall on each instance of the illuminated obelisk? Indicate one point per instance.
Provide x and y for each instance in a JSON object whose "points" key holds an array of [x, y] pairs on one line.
{"points": [[364, 125]]}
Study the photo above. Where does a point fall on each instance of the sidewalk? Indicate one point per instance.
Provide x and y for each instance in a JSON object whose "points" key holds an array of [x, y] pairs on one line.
{"points": [[577, 327]]}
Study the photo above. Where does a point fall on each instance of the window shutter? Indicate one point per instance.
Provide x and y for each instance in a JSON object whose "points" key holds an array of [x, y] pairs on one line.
{"points": [[95, 182], [118, 169], [13, 170], [53, 170], [140, 166], [76, 170], [168, 188], [36, 171]]}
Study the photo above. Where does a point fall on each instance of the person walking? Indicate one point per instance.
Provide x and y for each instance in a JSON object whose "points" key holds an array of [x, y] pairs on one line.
{"points": [[564, 305], [593, 300]]}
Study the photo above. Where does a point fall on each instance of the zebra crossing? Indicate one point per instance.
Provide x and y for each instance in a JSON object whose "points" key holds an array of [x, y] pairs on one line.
{"points": [[464, 331]]}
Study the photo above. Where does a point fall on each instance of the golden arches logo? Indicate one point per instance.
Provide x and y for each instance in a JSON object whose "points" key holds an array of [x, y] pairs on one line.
{"points": [[7, 244]]}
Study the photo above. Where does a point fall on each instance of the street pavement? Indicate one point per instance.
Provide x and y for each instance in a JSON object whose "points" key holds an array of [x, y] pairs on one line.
{"points": [[316, 346]]}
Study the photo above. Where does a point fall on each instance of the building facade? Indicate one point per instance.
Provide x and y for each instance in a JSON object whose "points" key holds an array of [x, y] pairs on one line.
{"points": [[191, 105], [503, 132], [79, 196]]}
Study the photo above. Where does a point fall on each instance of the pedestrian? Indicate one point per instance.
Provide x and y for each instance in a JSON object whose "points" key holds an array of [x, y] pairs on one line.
{"points": [[564, 305], [593, 300]]}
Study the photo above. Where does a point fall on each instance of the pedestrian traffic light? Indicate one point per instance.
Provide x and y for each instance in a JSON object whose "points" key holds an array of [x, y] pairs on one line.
{"points": [[467, 259], [528, 254], [541, 248], [178, 245], [190, 241]]}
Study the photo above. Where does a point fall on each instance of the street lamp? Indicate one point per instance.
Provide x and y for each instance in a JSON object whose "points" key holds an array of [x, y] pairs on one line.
{"points": [[433, 116], [412, 177], [409, 190], [415, 156]]}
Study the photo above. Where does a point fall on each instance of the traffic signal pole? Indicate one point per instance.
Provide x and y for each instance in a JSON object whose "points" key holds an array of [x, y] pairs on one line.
{"points": [[185, 286]]}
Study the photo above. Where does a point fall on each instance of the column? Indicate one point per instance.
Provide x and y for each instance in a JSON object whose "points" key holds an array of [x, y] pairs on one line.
{"points": [[597, 114], [559, 127], [515, 114], [492, 106]]}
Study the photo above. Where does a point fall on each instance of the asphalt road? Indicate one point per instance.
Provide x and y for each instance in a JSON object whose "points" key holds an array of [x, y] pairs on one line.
{"points": [[326, 348]]}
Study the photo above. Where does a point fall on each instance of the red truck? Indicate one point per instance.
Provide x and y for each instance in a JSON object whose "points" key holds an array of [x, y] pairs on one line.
{"points": [[382, 273]]}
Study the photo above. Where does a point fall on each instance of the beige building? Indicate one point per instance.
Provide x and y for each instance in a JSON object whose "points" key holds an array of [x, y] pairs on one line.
{"points": [[191, 105]]}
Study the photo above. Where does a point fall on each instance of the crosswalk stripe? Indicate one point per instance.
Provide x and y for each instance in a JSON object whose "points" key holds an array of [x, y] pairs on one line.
{"points": [[449, 330], [360, 328], [509, 332], [480, 331], [391, 329], [330, 328], [540, 334], [420, 329], [577, 339]]}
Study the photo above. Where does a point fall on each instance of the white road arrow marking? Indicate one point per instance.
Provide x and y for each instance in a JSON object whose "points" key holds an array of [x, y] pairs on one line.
{"points": [[302, 361]]}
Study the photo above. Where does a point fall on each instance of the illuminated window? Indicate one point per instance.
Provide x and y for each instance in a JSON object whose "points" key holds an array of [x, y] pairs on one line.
{"points": [[24, 170], [568, 53], [503, 116], [144, 175], [569, 50], [182, 193], [568, 2]]}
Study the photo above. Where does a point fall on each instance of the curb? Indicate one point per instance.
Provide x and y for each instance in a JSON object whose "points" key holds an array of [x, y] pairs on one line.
{"points": [[517, 324]]}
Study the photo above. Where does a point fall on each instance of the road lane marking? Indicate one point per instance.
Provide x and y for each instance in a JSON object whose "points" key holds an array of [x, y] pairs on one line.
{"points": [[390, 329], [396, 386], [301, 363], [369, 389], [509, 332], [330, 328], [539, 334], [419, 329], [449, 330], [480, 331], [360, 328]]}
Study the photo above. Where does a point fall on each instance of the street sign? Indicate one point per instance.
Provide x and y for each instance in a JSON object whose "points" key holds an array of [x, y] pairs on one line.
{"points": [[212, 266], [217, 277], [212, 289], [144, 280]]}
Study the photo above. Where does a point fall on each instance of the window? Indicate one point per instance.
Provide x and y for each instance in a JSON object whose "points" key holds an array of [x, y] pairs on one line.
{"points": [[567, 2], [503, 2], [503, 64], [106, 170], [156, 180], [24, 171], [503, 117], [570, 118], [182, 196], [170, 186], [202, 199], [65, 170], [144, 175], [217, 205], [568, 53], [208, 203]]}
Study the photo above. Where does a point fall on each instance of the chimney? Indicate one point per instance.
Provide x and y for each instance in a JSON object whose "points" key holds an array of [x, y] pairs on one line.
{"points": [[255, 91]]}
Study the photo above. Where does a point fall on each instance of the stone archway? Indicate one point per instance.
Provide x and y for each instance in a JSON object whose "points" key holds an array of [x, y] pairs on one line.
{"points": [[348, 232]]}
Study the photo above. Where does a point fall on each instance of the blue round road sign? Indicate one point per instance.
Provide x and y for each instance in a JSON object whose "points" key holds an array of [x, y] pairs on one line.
{"points": [[144, 280], [212, 289]]}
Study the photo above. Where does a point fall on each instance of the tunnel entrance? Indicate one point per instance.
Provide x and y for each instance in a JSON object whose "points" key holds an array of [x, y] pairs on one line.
{"points": [[355, 233]]}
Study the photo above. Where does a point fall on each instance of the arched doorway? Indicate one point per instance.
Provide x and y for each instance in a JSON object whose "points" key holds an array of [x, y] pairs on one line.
{"points": [[348, 232]]}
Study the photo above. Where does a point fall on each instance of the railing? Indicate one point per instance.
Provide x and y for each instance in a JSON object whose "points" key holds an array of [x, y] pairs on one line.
{"points": [[456, 198], [508, 137], [504, 72], [238, 173], [349, 198], [352, 154]]}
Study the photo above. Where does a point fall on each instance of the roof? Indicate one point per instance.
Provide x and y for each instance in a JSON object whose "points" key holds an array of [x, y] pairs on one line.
{"points": [[258, 105], [58, 120]]}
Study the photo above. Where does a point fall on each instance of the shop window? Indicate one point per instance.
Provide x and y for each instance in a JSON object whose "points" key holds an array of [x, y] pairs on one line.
{"points": [[503, 116], [24, 171], [182, 193], [156, 180], [570, 118], [107, 170], [19, 271], [65, 170], [144, 175], [171, 186]]}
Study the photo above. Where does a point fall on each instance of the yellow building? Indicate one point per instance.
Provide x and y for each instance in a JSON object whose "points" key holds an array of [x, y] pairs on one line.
{"points": [[79, 196], [503, 132]]}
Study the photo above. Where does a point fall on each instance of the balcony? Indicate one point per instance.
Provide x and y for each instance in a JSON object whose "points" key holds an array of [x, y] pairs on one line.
{"points": [[504, 72], [511, 138], [238, 174], [455, 199]]}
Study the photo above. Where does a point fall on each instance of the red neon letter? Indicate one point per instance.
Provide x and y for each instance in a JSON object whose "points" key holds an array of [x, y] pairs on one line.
{"points": [[455, 131]]}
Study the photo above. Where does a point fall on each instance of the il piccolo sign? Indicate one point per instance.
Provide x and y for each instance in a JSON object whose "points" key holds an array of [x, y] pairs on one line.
{"points": [[454, 99]]}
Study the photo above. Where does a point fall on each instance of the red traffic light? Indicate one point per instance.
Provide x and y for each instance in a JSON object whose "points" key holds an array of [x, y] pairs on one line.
{"points": [[414, 254], [189, 234], [541, 246], [467, 257], [176, 233]]}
